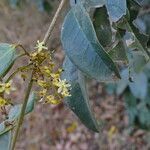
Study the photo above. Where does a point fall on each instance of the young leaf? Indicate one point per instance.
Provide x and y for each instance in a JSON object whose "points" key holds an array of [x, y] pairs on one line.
{"points": [[79, 101], [7, 58], [102, 26], [116, 9], [82, 47]]}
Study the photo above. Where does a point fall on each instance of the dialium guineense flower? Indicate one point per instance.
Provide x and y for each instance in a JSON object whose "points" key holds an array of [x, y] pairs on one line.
{"points": [[6, 87], [3, 102], [52, 88]]}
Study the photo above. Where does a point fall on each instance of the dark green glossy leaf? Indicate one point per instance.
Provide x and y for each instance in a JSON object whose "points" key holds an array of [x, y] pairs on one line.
{"points": [[116, 9], [102, 26], [7, 57], [82, 47], [79, 101]]}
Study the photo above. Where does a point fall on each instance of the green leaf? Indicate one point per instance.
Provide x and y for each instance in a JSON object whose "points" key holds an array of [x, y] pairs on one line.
{"points": [[5, 141], [82, 47], [79, 101], [123, 83], [110, 88], [118, 50], [143, 23], [139, 85], [15, 112], [144, 116], [14, 3], [140, 39], [116, 9], [138, 111], [137, 61], [88, 3], [118, 53], [7, 58], [102, 26], [131, 106]]}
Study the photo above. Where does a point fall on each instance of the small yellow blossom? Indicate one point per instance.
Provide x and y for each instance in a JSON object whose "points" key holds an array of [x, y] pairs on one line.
{"points": [[43, 93], [40, 46], [51, 99], [6, 87], [63, 87], [66, 93], [46, 70], [3, 102], [55, 76], [43, 84]]}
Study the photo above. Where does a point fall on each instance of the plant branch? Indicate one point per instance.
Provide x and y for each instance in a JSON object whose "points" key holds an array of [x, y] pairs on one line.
{"points": [[19, 45], [52, 25], [18, 70], [21, 117]]}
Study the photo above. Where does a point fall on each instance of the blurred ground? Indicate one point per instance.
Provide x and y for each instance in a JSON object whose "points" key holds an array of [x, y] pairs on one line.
{"points": [[54, 127]]}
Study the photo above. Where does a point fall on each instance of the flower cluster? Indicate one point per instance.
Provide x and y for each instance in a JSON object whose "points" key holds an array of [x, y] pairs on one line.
{"points": [[3, 102], [6, 87], [48, 78]]}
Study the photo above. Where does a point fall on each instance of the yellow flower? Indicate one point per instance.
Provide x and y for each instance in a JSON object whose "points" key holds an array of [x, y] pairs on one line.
{"points": [[63, 87], [3, 102], [43, 92], [40, 46], [46, 70], [51, 99], [6, 87], [43, 84], [55, 76], [65, 93]]}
